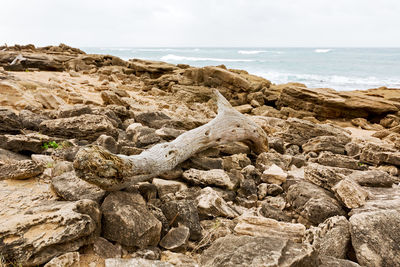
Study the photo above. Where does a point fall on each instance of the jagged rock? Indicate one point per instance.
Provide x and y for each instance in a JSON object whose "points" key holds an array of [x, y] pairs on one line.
{"points": [[108, 142], [74, 111], [19, 170], [154, 119], [168, 133], [176, 239], [246, 108], [32, 142], [205, 163], [313, 203], [70, 259], [274, 175], [350, 193], [147, 190], [267, 159], [330, 238], [6, 155], [277, 144], [111, 98], [250, 172], [234, 148], [375, 237], [178, 259], [325, 143], [106, 249], [211, 177], [330, 104], [236, 162], [257, 251], [210, 203], [127, 220], [38, 227], [9, 122], [272, 212], [341, 161], [87, 126], [299, 132], [30, 120], [165, 187], [136, 262], [324, 176], [183, 212], [379, 154], [352, 149], [142, 135], [266, 227], [71, 188], [325, 261]]}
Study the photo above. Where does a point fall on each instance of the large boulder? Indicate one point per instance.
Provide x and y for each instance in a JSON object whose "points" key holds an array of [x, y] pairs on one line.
{"points": [[257, 251], [87, 126], [35, 227], [128, 221], [330, 104]]}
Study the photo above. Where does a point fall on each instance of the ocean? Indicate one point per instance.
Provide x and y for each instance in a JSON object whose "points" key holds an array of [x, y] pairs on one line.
{"points": [[342, 69]]}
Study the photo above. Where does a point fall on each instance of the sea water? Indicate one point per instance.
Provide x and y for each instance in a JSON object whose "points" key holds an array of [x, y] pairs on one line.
{"points": [[337, 68]]}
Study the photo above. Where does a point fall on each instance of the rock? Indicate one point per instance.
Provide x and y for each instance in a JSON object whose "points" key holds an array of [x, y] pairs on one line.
{"points": [[44, 160], [212, 177], [127, 220], [176, 239], [325, 261], [30, 120], [234, 148], [70, 259], [257, 251], [324, 176], [68, 186], [6, 155], [178, 259], [136, 262], [379, 154], [236, 162], [272, 212], [299, 132], [205, 163], [18, 170], [74, 111], [148, 191], [10, 123], [350, 193], [142, 135], [106, 249], [250, 172], [28, 143], [209, 203], [325, 143], [39, 228], [153, 119], [330, 238], [168, 133], [330, 104], [374, 178], [150, 253], [313, 203], [341, 161], [274, 175], [108, 142], [277, 144], [266, 227], [111, 98], [267, 159], [375, 237], [154, 68], [244, 108], [87, 126], [165, 187], [183, 212], [352, 149]]}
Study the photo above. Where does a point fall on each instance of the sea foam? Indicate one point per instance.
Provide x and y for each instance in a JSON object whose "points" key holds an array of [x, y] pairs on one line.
{"points": [[322, 50], [172, 57]]}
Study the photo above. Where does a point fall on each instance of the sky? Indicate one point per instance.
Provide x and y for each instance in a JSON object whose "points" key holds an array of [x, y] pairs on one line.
{"points": [[201, 23]]}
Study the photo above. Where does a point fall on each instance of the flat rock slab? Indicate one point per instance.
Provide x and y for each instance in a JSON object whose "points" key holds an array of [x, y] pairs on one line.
{"points": [[252, 251], [34, 227], [215, 177], [19, 170]]}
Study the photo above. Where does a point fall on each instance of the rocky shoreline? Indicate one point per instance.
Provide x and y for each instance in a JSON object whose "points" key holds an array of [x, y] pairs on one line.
{"points": [[326, 193]]}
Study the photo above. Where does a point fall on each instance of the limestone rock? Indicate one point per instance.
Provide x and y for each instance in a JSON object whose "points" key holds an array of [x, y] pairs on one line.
{"points": [[330, 238], [165, 187], [30, 120], [74, 111], [375, 237], [313, 203], [341, 161], [211, 177], [176, 239], [136, 262], [350, 193], [210, 203], [274, 175], [18, 170], [236, 162], [106, 249], [127, 220], [38, 227], [152, 119], [379, 154], [269, 211], [325, 143], [324, 176], [374, 178], [178, 259], [183, 212], [325, 261], [266, 227], [70, 259], [32, 142], [267, 159], [108, 142], [71, 188], [257, 251], [142, 135], [9, 122]]}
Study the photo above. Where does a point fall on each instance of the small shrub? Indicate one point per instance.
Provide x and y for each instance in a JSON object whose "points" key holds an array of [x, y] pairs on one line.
{"points": [[51, 144]]}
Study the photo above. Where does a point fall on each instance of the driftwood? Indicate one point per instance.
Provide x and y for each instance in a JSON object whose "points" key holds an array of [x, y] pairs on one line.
{"points": [[112, 172]]}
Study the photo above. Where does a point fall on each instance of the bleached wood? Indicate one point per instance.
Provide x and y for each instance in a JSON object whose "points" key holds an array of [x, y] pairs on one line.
{"points": [[113, 172]]}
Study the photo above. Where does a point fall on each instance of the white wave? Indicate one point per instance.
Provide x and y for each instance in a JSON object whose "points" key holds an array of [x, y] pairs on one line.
{"points": [[251, 52], [172, 57], [155, 49], [322, 50]]}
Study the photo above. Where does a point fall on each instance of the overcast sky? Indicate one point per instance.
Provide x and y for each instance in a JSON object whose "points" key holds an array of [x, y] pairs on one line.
{"points": [[251, 23]]}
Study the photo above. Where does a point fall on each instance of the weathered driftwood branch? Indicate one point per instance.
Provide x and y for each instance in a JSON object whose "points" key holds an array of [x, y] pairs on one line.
{"points": [[113, 172]]}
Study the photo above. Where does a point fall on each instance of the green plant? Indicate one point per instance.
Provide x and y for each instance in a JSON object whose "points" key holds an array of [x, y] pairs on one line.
{"points": [[51, 144]]}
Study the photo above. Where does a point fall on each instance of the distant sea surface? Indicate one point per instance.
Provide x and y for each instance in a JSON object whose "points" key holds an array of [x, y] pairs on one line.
{"points": [[337, 68]]}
